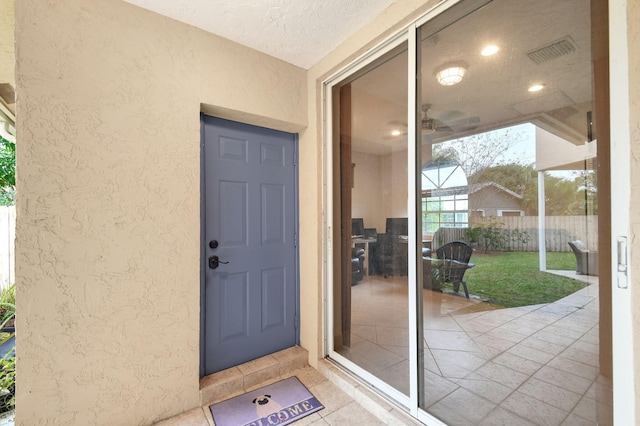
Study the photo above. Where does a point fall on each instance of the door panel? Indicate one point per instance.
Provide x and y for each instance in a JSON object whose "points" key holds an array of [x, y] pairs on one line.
{"points": [[251, 294], [234, 218], [272, 214], [233, 309], [274, 298]]}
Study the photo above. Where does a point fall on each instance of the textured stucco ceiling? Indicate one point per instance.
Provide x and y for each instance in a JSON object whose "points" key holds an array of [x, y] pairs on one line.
{"points": [[297, 31]]}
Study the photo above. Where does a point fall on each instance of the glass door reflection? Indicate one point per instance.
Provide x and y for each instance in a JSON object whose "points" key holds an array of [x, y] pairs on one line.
{"points": [[509, 177], [370, 291]]}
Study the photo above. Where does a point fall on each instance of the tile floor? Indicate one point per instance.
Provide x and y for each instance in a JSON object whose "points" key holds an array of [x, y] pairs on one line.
{"points": [[534, 365], [346, 401]]}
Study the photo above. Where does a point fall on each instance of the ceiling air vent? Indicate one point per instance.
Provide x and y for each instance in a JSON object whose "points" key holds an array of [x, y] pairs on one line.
{"points": [[552, 51]]}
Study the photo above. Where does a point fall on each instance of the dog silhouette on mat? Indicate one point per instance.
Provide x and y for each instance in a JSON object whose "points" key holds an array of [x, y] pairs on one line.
{"points": [[265, 406]]}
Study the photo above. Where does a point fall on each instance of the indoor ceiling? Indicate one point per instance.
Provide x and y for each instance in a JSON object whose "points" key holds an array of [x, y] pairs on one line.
{"points": [[493, 92], [300, 32]]}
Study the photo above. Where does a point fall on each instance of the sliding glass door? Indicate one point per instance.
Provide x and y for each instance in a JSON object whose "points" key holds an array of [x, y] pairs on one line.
{"points": [[370, 153], [471, 244], [509, 141]]}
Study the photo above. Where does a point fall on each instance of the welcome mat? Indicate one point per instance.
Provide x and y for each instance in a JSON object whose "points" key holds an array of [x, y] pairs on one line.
{"points": [[280, 403]]}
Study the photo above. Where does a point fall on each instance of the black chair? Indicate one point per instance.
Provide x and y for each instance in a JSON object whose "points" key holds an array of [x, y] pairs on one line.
{"points": [[385, 254], [452, 261], [357, 265], [370, 233], [357, 227], [389, 255]]}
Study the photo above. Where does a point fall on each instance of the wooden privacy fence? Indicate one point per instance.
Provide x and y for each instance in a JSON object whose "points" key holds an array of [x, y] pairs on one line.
{"points": [[559, 230]]}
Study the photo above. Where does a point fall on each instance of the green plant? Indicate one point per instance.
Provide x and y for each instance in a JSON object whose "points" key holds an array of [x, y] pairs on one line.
{"points": [[515, 237], [8, 362], [473, 234], [493, 237], [7, 306], [7, 172], [8, 382]]}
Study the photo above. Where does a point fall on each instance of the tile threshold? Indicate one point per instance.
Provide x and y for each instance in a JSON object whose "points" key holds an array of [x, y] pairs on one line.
{"points": [[289, 362], [245, 377]]}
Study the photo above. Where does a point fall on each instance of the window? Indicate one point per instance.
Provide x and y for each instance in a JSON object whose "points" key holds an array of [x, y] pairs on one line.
{"points": [[445, 197]]}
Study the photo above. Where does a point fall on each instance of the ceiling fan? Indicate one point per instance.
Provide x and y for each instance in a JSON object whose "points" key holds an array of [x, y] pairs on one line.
{"points": [[430, 124], [449, 123]]}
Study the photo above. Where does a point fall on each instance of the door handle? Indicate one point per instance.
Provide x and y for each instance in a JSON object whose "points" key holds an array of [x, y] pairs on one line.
{"points": [[214, 262], [623, 279]]}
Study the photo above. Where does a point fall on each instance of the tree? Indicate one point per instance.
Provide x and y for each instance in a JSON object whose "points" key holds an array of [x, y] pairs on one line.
{"points": [[561, 196], [7, 172], [515, 177], [477, 153], [587, 181], [481, 157]]}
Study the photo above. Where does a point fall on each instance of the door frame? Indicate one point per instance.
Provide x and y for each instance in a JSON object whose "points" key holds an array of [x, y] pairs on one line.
{"points": [[624, 410], [622, 330], [331, 226], [203, 247]]}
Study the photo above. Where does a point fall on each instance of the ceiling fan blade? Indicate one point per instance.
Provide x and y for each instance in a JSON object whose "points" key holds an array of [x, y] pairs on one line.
{"points": [[397, 123], [465, 124], [431, 124]]}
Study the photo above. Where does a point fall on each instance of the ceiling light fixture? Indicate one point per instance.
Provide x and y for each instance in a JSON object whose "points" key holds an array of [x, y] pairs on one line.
{"points": [[489, 50], [536, 87], [396, 133], [451, 74]]}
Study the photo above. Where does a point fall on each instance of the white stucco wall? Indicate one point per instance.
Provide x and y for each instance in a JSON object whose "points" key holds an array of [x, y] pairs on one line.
{"points": [[108, 239], [365, 200]]}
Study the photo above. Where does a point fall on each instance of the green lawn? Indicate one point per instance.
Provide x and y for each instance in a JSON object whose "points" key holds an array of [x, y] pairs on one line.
{"points": [[512, 279]]}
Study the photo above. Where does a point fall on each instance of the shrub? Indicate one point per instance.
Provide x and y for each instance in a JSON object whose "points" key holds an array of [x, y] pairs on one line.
{"points": [[8, 382], [7, 306], [8, 362], [493, 237]]}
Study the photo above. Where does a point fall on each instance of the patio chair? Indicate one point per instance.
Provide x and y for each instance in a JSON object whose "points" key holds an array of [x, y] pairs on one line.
{"points": [[357, 265], [586, 260], [451, 264]]}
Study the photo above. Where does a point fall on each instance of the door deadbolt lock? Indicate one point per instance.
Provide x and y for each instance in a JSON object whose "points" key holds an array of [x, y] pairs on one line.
{"points": [[214, 262], [213, 244]]}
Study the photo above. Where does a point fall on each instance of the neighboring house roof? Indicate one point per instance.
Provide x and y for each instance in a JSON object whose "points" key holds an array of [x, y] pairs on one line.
{"points": [[480, 186]]}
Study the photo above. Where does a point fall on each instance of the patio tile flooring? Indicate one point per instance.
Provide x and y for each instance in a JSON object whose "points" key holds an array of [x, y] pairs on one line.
{"points": [[535, 365], [529, 365]]}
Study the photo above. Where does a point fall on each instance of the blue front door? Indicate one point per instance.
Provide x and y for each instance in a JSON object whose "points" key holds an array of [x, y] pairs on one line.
{"points": [[249, 247]]}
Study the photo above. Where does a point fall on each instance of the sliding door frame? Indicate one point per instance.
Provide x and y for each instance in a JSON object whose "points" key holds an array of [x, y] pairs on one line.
{"points": [[331, 223], [622, 331], [624, 392]]}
